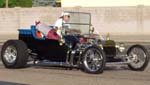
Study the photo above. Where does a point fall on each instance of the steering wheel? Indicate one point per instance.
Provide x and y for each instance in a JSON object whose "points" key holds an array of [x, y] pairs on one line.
{"points": [[72, 31]]}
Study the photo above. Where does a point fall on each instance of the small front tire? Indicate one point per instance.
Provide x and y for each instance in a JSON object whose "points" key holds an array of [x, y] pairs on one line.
{"points": [[138, 58]]}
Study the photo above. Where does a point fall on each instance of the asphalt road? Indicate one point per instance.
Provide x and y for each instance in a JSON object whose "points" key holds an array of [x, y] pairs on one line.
{"points": [[36, 75]]}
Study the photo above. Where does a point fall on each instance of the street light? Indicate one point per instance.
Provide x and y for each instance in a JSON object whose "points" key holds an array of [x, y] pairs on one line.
{"points": [[6, 3]]}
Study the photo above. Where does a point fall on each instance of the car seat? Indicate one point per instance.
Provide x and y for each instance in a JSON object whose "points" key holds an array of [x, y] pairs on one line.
{"points": [[37, 34]]}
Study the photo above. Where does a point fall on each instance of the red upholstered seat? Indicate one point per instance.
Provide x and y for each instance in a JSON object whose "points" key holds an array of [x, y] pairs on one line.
{"points": [[53, 35]]}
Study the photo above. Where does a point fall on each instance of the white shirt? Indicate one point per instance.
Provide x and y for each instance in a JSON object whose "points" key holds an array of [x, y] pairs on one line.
{"points": [[61, 23]]}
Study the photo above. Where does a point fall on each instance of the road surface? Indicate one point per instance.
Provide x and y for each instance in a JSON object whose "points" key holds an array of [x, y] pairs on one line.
{"points": [[36, 75]]}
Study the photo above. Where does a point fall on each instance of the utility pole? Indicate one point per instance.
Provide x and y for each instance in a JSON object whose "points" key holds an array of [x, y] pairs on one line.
{"points": [[6, 3]]}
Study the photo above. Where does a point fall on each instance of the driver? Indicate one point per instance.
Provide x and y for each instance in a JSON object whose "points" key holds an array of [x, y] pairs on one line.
{"points": [[60, 23]]}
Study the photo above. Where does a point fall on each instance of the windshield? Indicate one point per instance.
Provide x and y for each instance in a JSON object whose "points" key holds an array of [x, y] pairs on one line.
{"points": [[80, 21]]}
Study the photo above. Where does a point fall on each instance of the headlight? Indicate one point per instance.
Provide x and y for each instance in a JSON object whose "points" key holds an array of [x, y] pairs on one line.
{"points": [[121, 47], [101, 46]]}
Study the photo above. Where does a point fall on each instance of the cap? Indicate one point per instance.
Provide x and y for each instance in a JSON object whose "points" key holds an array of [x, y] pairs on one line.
{"points": [[65, 14]]}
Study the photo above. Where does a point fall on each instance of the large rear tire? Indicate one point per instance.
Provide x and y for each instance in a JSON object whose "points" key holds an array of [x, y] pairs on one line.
{"points": [[93, 60], [138, 58], [14, 54]]}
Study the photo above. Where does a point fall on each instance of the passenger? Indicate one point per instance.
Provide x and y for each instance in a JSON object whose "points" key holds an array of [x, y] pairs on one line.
{"points": [[55, 33], [47, 31]]}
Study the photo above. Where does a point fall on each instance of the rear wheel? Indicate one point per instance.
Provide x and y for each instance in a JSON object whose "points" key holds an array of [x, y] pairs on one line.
{"points": [[14, 54], [93, 60], [138, 58]]}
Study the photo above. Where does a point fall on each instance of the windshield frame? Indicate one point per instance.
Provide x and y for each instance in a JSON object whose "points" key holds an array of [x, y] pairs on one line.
{"points": [[88, 24]]}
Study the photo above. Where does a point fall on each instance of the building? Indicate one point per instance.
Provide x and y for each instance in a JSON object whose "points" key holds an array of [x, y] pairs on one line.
{"points": [[103, 3]]}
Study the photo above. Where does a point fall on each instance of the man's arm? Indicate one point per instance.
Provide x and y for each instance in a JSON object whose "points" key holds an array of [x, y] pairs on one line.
{"points": [[58, 23]]}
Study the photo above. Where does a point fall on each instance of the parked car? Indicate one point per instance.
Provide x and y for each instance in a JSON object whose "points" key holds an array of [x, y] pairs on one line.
{"points": [[82, 49]]}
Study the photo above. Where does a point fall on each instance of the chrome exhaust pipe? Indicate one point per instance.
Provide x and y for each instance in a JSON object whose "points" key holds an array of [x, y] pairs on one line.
{"points": [[50, 63], [117, 63]]}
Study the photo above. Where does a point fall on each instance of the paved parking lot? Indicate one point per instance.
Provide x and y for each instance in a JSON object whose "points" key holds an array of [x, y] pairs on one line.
{"points": [[36, 75]]}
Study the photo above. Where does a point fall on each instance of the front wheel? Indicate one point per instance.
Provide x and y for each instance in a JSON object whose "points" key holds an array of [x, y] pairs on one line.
{"points": [[93, 60], [138, 57]]}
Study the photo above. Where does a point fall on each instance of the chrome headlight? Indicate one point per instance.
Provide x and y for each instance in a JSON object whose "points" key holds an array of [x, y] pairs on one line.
{"points": [[121, 47], [101, 46]]}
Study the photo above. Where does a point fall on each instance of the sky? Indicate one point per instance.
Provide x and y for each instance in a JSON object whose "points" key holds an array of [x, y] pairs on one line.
{"points": [[95, 3]]}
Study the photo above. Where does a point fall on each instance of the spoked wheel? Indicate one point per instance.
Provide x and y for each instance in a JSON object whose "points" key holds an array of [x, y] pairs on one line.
{"points": [[93, 60], [14, 54], [138, 57]]}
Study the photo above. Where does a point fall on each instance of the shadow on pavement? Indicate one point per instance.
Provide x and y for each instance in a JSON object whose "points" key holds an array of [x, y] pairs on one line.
{"points": [[107, 68], [10, 83]]}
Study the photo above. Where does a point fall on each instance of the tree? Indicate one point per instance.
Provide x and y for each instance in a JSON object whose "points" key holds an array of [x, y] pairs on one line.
{"points": [[20, 3], [24, 3], [15, 3], [2, 3]]}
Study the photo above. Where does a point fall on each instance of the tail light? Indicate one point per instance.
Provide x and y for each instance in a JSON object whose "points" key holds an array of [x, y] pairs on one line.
{"points": [[83, 40]]}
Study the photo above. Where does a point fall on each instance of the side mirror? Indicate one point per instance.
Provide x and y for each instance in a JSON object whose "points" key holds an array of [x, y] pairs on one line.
{"points": [[92, 29]]}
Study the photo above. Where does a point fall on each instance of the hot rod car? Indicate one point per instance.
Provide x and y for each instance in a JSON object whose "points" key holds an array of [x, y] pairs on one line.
{"points": [[84, 49]]}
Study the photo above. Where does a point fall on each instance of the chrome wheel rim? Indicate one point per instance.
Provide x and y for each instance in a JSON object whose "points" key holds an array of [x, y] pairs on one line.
{"points": [[137, 57], [10, 54], [93, 59]]}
